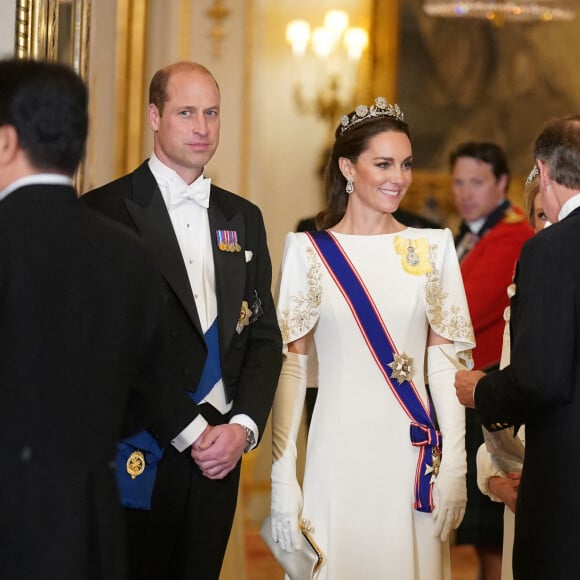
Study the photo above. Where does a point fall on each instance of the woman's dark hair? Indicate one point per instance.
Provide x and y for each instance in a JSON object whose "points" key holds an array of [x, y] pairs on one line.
{"points": [[350, 144]]}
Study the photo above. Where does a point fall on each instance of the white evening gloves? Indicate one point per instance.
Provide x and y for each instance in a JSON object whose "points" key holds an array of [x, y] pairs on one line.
{"points": [[449, 489], [286, 503]]}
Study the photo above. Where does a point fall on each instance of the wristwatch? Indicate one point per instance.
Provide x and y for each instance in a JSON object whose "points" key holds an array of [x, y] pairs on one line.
{"points": [[250, 438]]}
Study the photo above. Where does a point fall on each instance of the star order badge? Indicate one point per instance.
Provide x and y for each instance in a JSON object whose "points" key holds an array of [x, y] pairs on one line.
{"points": [[402, 367], [135, 464], [244, 320], [433, 469]]}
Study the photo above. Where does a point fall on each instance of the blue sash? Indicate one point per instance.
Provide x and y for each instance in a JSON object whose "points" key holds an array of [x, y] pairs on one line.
{"points": [[423, 433], [212, 371], [136, 492]]}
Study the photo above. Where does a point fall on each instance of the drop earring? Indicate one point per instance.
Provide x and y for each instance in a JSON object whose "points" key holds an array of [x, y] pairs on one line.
{"points": [[349, 186]]}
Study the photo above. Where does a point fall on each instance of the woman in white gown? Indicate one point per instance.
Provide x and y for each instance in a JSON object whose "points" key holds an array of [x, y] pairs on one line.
{"points": [[386, 309]]}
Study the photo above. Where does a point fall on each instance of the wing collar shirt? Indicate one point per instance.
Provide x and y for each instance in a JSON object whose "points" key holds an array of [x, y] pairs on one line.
{"points": [[569, 206], [187, 207]]}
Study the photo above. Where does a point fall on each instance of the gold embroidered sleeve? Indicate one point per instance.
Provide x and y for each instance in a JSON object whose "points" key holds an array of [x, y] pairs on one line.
{"points": [[449, 320], [299, 316]]}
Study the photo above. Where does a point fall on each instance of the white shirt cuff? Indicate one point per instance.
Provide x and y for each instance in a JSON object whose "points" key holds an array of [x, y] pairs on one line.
{"points": [[186, 438], [246, 421]]}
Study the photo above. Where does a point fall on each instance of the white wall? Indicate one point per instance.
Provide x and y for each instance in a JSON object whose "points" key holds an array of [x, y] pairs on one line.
{"points": [[7, 33], [100, 162]]}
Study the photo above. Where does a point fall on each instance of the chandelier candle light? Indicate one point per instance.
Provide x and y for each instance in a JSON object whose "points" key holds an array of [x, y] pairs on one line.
{"points": [[326, 62]]}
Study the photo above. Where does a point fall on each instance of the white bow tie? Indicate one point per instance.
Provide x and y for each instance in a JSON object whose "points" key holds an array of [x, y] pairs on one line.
{"points": [[198, 191]]}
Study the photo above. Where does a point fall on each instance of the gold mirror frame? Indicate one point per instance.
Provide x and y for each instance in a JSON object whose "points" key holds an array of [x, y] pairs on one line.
{"points": [[55, 30]]}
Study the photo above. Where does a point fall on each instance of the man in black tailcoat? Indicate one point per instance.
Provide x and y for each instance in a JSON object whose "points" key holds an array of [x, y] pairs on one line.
{"points": [[223, 341], [541, 386], [81, 307]]}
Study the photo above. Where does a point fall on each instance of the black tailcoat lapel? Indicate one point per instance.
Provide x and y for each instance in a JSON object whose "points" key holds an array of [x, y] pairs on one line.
{"points": [[230, 268], [152, 220]]}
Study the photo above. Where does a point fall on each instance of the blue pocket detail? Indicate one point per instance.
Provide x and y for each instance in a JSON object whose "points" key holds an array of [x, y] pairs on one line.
{"points": [[136, 493]]}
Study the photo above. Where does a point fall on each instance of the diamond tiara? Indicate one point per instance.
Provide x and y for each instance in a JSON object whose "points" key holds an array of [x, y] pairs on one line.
{"points": [[533, 174], [381, 108]]}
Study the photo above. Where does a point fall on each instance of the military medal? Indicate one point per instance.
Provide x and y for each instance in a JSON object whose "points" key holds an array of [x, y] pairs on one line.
{"points": [[244, 320], [228, 240], [414, 255], [402, 367], [433, 469], [411, 257], [135, 464]]}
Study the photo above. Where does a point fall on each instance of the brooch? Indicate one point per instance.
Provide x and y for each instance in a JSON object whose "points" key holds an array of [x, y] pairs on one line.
{"points": [[414, 255], [402, 367], [433, 469], [228, 240], [244, 320], [257, 309], [135, 464]]}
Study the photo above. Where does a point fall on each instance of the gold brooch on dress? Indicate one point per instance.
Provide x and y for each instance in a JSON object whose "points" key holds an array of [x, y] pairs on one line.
{"points": [[402, 367], [135, 464]]}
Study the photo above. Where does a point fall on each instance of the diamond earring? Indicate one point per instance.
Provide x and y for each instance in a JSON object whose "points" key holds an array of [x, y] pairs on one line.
{"points": [[349, 186]]}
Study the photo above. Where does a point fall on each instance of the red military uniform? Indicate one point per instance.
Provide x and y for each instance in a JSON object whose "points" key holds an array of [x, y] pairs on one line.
{"points": [[487, 271]]}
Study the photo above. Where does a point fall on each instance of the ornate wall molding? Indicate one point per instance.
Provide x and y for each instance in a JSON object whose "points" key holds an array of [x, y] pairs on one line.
{"points": [[56, 30]]}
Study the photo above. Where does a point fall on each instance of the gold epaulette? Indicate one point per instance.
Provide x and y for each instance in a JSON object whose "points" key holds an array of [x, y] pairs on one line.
{"points": [[511, 216]]}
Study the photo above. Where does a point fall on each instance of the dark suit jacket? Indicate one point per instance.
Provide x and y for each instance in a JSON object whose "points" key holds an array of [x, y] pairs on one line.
{"points": [[80, 311], [251, 360], [541, 388]]}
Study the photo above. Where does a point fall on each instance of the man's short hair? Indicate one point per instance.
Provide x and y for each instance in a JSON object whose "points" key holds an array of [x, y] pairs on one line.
{"points": [[482, 151], [46, 103], [160, 80], [558, 145]]}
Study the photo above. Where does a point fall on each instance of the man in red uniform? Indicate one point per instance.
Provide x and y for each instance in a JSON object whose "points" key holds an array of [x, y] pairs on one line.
{"points": [[488, 244]]}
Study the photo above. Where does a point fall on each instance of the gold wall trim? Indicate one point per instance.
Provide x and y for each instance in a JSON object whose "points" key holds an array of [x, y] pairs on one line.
{"points": [[384, 50], [55, 30], [184, 29], [131, 51], [246, 116]]}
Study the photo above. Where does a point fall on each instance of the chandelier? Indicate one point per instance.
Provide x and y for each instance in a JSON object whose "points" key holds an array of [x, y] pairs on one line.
{"points": [[499, 11], [326, 64]]}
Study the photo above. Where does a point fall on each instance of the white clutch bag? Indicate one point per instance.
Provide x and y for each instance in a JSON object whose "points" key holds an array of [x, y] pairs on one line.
{"points": [[300, 564], [506, 449]]}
